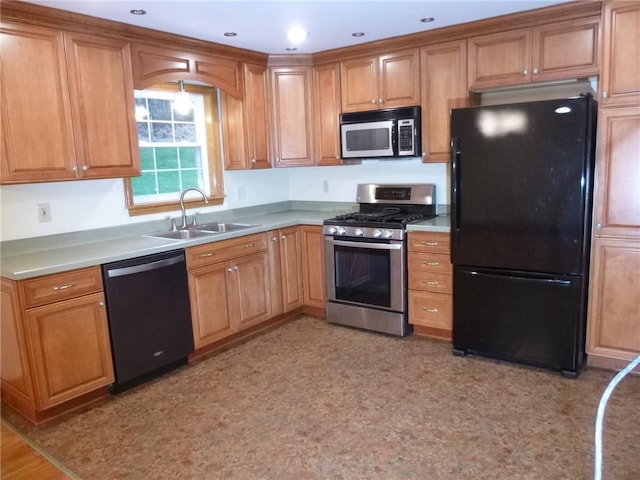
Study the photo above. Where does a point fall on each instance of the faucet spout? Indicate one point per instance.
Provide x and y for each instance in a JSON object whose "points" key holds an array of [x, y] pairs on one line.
{"points": [[182, 207]]}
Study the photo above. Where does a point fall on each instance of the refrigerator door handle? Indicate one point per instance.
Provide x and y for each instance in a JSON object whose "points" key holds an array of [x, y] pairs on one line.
{"points": [[455, 189]]}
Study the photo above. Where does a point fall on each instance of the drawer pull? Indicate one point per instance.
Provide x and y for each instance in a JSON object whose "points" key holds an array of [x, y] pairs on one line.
{"points": [[209, 254], [430, 282], [431, 244], [249, 245], [64, 287], [430, 310], [431, 264]]}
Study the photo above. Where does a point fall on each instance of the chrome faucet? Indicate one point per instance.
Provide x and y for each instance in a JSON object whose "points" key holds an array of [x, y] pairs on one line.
{"points": [[184, 212]]}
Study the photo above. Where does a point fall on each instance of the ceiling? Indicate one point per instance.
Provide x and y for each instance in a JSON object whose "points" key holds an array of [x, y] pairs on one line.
{"points": [[262, 25]]}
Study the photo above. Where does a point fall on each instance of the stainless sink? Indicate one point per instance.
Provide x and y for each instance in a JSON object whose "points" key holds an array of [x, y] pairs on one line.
{"points": [[220, 227], [204, 230], [181, 234]]}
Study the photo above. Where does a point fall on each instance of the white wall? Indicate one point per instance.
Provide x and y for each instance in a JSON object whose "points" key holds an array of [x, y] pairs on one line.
{"points": [[84, 205]]}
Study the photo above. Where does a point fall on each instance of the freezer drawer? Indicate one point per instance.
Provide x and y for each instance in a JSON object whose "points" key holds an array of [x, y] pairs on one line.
{"points": [[530, 318]]}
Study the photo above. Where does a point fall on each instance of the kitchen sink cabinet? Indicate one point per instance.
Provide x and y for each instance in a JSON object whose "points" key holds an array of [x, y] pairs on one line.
{"points": [[430, 284], [553, 51], [285, 257], [326, 107], [56, 332], [620, 76], [292, 116], [384, 81], [443, 84], [67, 106], [229, 286], [313, 268]]}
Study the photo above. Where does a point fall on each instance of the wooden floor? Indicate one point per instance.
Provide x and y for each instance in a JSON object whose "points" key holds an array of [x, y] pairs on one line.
{"points": [[20, 461]]}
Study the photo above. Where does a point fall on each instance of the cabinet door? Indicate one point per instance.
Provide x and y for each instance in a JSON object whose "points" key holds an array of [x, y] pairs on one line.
{"points": [[617, 207], [234, 133], [70, 347], [275, 272], [614, 303], [499, 59], [249, 278], [620, 75], [256, 116], [565, 50], [444, 86], [37, 132], [313, 266], [359, 84], [290, 259], [292, 116], [399, 80], [103, 106], [326, 107], [210, 310]]}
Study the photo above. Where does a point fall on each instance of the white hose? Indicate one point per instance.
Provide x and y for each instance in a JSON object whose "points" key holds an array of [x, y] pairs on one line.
{"points": [[601, 409]]}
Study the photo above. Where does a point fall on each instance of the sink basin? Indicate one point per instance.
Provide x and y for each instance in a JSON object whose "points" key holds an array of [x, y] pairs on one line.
{"points": [[219, 227], [182, 234]]}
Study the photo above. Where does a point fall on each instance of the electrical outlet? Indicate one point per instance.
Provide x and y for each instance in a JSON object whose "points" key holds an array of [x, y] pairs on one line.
{"points": [[44, 212]]}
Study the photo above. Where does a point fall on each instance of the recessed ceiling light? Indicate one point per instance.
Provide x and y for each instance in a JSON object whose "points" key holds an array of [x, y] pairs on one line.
{"points": [[230, 34], [137, 11], [357, 34], [427, 19], [296, 35]]}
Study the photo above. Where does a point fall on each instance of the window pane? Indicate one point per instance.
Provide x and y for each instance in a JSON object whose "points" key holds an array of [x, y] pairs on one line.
{"points": [[166, 158], [145, 184], [146, 158], [168, 181], [191, 178], [185, 132], [161, 132], [180, 117], [143, 131], [160, 109], [189, 157]]}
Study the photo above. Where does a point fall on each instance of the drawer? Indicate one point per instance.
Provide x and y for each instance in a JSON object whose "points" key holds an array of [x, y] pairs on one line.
{"points": [[430, 262], [429, 242], [431, 281], [215, 252], [430, 309], [61, 286]]}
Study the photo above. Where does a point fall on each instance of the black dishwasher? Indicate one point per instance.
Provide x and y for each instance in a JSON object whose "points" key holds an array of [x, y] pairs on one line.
{"points": [[149, 316]]}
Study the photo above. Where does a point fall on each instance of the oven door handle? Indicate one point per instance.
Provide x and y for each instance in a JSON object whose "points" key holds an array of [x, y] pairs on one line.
{"points": [[372, 246]]}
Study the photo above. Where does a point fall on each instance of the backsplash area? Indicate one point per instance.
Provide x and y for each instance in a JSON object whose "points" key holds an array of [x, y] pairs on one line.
{"points": [[89, 204]]}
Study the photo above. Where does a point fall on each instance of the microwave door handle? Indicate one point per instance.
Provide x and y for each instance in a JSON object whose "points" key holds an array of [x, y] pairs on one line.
{"points": [[372, 246]]}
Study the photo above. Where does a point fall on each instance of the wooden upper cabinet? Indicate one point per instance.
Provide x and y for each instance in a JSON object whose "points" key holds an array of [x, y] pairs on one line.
{"points": [[326, 107], [385, 81], [620, 76], [617, 197], [553, 51], [37, 131], [292, 114], [67, 106], [443, 84], [103, 106], [154, 65]]}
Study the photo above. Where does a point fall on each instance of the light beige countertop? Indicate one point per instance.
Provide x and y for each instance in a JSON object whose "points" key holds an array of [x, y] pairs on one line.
{"points": [[22, 259]]}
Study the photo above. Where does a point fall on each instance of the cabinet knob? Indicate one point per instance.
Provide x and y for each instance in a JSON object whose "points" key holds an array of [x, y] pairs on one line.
{"points": [[598, 226], [605, 94], [229, 270], [274, 239], [85, 168], [381, 100], [253, 160], [535, 71], [283, 237], [101, 304], [74, 169], [235, 268], [526, 72], [373, 100]]}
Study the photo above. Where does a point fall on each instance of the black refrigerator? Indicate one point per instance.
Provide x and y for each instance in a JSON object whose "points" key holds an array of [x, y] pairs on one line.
{"points": [[521, 194]]}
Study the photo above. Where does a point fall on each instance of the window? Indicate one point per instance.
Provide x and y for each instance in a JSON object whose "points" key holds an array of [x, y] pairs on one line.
{"points": [[178, 150]]}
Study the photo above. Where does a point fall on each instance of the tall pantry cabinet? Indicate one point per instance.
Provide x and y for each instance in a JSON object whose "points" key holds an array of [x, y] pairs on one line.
{"points": [[614, 300]]}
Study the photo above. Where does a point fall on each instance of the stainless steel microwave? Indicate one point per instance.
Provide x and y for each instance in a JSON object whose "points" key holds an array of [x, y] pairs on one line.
{"points": [[389, 133]]}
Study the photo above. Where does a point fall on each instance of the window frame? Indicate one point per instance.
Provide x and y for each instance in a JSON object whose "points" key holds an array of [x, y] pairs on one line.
{"points": [[214, 157]]}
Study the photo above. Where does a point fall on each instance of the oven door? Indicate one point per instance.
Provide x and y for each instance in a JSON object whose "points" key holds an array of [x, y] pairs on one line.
{"points": [[368, 139], [369, 273]]}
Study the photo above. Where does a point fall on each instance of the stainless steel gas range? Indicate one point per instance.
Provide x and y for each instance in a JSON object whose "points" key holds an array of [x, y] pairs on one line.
{"points": [[366, 259]]}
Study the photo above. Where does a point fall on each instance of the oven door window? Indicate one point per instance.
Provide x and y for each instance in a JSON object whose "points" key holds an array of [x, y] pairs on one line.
{"points": [[363, 275]]}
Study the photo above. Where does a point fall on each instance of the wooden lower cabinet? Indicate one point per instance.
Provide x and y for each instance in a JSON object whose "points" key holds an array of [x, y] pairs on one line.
{"points": [[430, 284], [313, 269], [55, 340], [285, 257], [229, 285]]}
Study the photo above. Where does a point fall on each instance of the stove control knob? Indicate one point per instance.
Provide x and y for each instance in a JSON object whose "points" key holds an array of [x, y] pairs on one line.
{"points": [[342, 231], [332, 230], [388, 233], [359, 232], [377, 233]]}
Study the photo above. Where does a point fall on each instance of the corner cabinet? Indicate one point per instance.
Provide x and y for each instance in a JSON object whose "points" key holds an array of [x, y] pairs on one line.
{"points": [[55, 341], [384, 81], [554, 51], [67, 106]]}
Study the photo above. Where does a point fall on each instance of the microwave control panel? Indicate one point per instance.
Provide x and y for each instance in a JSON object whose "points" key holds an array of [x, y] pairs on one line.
{"points": [[405, 137]]}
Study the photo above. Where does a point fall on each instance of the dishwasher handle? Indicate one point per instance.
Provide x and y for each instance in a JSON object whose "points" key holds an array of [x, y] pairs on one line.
{"points": [[145, 267]]}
